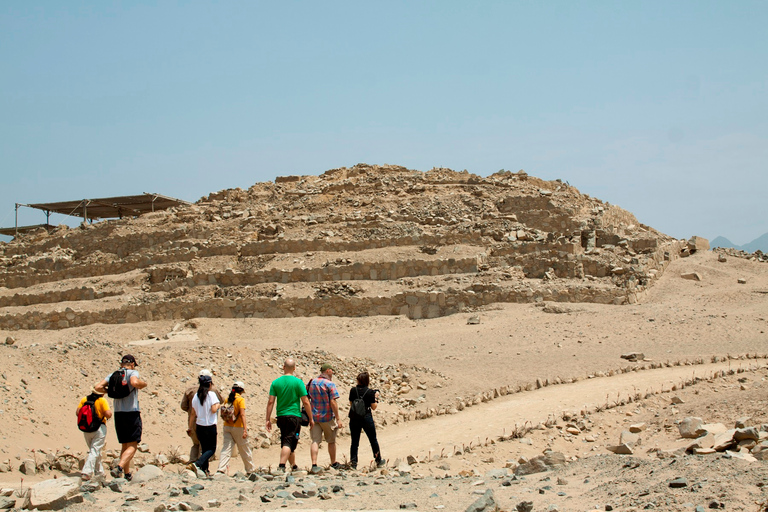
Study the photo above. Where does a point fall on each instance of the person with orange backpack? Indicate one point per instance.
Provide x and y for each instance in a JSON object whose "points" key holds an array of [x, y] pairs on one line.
{"points": [[235, 430], [92, 415]]}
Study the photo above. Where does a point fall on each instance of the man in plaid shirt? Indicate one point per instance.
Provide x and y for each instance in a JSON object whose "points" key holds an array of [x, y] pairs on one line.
{"points": [[324, 396]]}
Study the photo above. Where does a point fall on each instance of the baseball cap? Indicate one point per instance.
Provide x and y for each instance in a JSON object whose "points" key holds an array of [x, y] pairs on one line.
{"points": [[205, 373], [238, 384], [128, 358], [204, 379], [326, 366]]}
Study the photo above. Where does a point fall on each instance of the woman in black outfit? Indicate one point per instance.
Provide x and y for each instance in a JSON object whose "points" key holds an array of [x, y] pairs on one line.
{"points": [[358, 423]]}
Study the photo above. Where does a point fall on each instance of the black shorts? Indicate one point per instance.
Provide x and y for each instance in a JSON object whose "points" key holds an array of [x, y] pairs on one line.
{"points": [[128, 427], [290, 427]]}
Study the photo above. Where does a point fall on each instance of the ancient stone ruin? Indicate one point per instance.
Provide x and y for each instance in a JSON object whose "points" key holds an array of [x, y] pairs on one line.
{"points": [[365, 240]]}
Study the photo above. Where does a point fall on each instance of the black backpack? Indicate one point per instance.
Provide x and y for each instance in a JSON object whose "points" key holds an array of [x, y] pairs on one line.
{"points": [[87, 419], [358, 405], [118, 385]]}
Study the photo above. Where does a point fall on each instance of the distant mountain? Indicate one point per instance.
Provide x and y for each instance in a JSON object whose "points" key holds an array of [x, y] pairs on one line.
{"points": [[758, 244], [721, 241]]}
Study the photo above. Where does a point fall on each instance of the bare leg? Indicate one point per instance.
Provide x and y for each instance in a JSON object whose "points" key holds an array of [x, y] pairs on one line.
{"points": [[332, 452], [285, 454], [313, 449], [126, 455]]}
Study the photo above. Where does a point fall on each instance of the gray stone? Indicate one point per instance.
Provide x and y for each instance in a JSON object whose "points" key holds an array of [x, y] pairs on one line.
{"points": [[691, 427], [146, 473], [473, 320], [496, 474], [535, 465], [692, 276], [524, 506], [214, 503], [485, 503], [6, 503], [678, 483], [633, 356], [54, 494], [748, 433], [117, 484], [743, 422]]}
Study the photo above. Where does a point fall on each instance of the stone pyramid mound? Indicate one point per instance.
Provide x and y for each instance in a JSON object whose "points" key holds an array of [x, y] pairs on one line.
{"points": [[365, 240]]}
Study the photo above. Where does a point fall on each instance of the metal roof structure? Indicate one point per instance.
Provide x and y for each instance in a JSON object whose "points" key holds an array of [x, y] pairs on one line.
{"points": [[94, 209], [110, 207]]}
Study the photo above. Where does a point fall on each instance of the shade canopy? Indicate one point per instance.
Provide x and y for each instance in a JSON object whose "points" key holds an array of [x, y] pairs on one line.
{"points": [[110, 207]]}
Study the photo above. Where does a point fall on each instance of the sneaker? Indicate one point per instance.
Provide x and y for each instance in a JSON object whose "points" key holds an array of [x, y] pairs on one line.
{"points": [[295, 467], [128, 476], [336, 465], [316, 470], [116, 472], [381, 463]]}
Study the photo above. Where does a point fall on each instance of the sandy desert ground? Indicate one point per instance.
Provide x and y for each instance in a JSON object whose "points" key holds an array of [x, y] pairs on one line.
{"points": [[706, 341]]}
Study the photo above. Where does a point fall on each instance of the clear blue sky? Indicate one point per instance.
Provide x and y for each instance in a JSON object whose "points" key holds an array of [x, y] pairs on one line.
{"points": [[658, 107]]}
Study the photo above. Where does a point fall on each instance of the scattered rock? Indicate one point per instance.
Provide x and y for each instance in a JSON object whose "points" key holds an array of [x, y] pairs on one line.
{"points": [[6, 503], [485, 503], [473, 320], [692, 276], [741, 280], [54, 494], [28, 467], [691, 427], [622, 449], [633, 357], [678, 483], [146, 473], [10, 340]]}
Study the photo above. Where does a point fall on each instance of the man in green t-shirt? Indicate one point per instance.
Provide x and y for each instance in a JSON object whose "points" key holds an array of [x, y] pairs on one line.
{"points": [[290, 393]]}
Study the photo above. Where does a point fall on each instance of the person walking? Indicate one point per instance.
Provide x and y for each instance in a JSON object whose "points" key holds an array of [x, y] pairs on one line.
{"points": [[186, 400], [235, 430], [287, 394], [92, 415], [357, 422], [323, 396], [123, 386], [203, 421]]}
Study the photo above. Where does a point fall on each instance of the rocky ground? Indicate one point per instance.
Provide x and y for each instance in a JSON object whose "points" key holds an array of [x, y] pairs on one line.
{"points": [[539, 405]]}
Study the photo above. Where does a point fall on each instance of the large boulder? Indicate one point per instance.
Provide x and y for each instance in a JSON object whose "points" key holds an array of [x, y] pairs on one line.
{"points": [[146, 473], [485, 503], [54, 494], [696, 243]]}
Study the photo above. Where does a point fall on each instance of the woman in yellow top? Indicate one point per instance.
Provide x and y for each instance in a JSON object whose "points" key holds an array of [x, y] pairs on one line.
{"points": [[235, 432], [91, 419]]}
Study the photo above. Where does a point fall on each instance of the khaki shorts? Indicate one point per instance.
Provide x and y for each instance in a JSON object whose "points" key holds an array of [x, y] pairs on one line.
{"points": [[328, 428]]}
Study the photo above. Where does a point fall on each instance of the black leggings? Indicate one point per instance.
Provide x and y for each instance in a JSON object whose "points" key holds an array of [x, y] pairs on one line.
{"points": [[207, 436], [355, 426]]}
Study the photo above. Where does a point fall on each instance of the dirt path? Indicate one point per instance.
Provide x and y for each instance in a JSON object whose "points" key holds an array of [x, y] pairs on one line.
{"points": [[492, 419]]}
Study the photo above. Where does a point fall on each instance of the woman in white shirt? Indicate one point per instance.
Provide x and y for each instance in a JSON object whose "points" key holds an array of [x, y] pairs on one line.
{"points": [[203, 420]]}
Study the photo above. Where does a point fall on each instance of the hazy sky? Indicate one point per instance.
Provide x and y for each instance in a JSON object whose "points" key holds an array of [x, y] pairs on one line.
{"points": [[658, 107]]}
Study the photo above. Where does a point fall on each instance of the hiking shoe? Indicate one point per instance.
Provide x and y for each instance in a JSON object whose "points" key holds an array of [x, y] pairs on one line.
{"points": [[116, 472], [316, 470], [336, 465], [381, 463], [295, 467], [128, 476]]}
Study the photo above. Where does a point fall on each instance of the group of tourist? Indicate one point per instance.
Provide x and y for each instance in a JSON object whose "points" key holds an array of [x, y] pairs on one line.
{"points": [[295, 403]]}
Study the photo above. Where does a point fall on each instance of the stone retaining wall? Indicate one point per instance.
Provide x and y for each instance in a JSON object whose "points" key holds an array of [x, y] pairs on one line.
{"points": [[415, 305], [74, 294], [188, 250], [380, 271]]}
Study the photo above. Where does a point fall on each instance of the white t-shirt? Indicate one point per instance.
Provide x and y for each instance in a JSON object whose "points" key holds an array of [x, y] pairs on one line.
{"points": [[205, 417]]}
